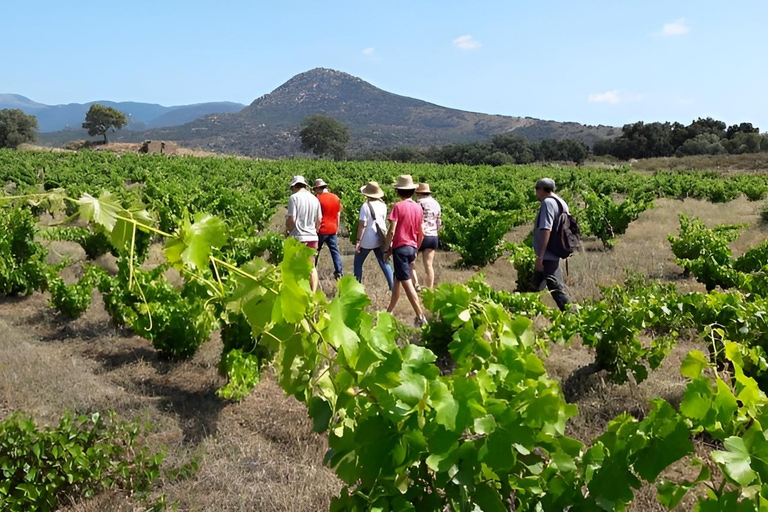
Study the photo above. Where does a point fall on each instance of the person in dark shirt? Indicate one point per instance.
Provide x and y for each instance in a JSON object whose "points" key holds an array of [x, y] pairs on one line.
{"points": [[548, 270]]}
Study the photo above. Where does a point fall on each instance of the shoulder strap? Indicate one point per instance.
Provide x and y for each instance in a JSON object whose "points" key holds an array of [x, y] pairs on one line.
{"points": [[559, 203], [376, 227]]}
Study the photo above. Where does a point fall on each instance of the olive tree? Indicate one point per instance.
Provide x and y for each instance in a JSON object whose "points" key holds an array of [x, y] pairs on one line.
{"points": [[16, 128], [324, 136], [99, 119]]}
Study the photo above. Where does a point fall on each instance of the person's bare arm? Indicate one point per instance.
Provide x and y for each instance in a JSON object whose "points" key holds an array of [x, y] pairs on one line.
{"points": [[290, 220], [360, 231], [420, 237], [338, 219], [390, 236]]}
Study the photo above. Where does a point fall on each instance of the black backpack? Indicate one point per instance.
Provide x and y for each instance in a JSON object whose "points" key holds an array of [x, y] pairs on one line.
{"points": [[564, 239]]}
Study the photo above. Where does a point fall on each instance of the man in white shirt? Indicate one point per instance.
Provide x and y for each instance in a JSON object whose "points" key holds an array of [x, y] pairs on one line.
{"points": [[303, 220]]}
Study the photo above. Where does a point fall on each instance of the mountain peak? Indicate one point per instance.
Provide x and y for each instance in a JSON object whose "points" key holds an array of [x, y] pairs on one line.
{"points": [[315, 85], [325, 75], [269, 126], [326, 72]]}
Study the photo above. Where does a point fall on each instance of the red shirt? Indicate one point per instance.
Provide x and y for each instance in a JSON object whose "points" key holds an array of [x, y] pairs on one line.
{"points": [[331, 207], [409, 216]]}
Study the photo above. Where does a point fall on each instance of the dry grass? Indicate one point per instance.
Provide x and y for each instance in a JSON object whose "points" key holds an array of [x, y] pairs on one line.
{"points": [[126, 147], [644, 248], [32, 373], [261, 454], [747, 162]]}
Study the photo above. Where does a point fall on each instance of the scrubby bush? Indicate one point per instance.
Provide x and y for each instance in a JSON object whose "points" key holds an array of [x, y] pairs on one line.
{"points": [[477, 236], [45, 468], [22, 259]]}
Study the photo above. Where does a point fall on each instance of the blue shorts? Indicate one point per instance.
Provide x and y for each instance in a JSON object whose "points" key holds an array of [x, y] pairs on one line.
{"points": [[402, 258], [429, 242]]}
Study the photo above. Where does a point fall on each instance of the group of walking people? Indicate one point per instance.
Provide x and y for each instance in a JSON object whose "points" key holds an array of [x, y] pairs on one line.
{"points": [[413, 229]]}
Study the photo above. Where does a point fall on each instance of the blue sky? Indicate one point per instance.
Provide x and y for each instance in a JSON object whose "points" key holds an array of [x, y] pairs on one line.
{"points": [[595, 62]]}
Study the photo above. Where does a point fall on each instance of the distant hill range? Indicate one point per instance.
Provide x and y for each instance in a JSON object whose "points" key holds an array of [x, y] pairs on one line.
{"points": [[142, 116], [269, 126]]}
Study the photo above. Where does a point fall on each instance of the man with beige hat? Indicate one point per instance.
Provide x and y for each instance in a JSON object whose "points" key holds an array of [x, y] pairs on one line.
{"points": [[303, 219], [403, 240]]}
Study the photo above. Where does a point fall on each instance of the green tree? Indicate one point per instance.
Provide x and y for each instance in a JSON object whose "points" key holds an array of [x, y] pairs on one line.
{"points": [[498, 158], [324, 136], [519, 148], [574, 150], [648, 140], [549, 150], [405, 154], [735, 129], [16, 128], [607, 147], [702, 136], [564, 150], [703, 126], [743, 142], [467, 153], [702, 144], [100, 119], [678, 134]]}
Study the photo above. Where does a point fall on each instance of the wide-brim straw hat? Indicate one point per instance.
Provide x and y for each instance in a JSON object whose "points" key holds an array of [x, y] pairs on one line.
{"points": [[320, 183], [405, 182], [423, 188], [372, 190], [298, 180]]}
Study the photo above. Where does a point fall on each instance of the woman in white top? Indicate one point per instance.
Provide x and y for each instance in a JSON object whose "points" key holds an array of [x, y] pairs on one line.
{"points": [[371, 232], [432, 223]]}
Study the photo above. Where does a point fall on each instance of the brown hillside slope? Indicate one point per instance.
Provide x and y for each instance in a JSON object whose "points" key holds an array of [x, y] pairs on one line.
{"points": [[269, 126]]}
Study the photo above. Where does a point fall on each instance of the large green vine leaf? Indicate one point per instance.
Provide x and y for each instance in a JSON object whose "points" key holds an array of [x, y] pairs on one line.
{"points": [[192, 244]]}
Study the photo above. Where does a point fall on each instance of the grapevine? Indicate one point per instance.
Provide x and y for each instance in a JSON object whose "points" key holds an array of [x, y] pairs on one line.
{"points": [[489, 433]]}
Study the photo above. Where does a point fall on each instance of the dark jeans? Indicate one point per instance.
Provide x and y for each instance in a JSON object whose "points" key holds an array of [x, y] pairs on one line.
{"points": [[333, 246], [553, 278], [360, 259]]}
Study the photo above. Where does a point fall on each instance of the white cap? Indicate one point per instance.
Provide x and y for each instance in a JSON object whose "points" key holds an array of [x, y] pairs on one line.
{"points": [[298, 180]]}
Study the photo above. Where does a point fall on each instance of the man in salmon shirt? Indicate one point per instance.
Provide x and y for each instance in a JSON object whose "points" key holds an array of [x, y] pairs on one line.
{"points": [[329, 225], [403, 240]]}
